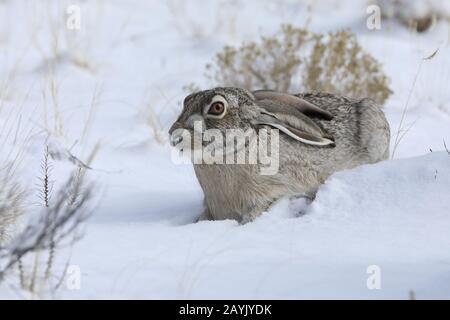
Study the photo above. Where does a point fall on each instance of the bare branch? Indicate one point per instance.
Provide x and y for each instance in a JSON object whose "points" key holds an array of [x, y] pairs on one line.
{"points": [[54, 225]]}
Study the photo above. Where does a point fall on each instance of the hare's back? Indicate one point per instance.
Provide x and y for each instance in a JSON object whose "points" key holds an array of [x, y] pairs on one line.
{"points": [[358, 126]]}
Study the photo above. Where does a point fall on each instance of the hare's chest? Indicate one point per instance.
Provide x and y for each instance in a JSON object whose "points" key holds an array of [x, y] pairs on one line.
{"points": [[226, 183], [233, 192]]}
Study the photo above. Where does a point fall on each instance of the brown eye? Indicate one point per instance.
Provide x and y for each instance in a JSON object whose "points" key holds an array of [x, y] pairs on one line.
{"points": [[217, 108]]}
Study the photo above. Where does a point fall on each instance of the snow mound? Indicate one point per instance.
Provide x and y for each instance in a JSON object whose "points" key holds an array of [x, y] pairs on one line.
{"points": [[414, 186], [394, 215]]}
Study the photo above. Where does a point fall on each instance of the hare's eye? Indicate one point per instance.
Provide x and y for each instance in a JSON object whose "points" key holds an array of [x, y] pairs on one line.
{"points": [[217, 108]]}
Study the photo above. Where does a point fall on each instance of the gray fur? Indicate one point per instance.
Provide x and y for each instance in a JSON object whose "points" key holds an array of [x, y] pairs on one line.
{"points": [[358, 127]]}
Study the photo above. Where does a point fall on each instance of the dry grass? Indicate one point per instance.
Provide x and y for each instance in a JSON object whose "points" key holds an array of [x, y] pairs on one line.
{"points": [[152, 117], [154, 124], [188, 24], [401, 131], [65, 45], [30, 237], [446, 149], [297, 60], [34, 250], [15, 136], [53, 121], [53, 227], [11, 206]]}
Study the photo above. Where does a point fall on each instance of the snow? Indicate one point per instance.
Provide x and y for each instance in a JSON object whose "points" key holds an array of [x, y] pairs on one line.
{"points": [[141, 242], [393, 214]]}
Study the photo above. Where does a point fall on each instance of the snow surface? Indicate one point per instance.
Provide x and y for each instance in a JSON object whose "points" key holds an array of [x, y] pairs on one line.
{"points": [[141, 242]]}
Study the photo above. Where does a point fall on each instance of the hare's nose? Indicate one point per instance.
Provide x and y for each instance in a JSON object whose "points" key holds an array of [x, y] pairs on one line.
{"points": [[175, 136]]}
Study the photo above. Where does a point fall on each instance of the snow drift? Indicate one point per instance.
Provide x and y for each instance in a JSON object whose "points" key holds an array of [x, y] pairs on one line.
{"points": [[394, 215]]}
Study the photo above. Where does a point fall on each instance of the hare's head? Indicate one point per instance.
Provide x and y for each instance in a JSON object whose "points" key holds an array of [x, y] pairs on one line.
{"points": [[219, 108], [229, 108]]}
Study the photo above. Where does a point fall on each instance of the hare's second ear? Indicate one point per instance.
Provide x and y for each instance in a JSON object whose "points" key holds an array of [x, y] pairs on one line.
{"points": [[296, 128], [301, 105]]}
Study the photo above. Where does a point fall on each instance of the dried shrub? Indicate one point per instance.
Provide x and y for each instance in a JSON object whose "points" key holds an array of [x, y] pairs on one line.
{"points": [[297, 60]]}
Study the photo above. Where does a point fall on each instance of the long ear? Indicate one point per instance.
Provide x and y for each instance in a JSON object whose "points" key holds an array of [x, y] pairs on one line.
{"points": [[297, 128], [299, 104]]}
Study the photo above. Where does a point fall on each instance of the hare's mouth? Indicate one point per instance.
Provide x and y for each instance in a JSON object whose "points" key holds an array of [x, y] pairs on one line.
{"points": [[180, 137], [184, 140], [175, 140]]}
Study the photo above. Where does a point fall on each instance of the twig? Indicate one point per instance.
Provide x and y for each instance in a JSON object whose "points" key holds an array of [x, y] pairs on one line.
{"points": [[446, 149], [399, 137]]}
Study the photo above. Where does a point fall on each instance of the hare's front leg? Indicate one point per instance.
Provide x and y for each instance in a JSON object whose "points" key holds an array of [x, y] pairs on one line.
{"points": [[206, 215], [248, 217], [255, 212]]}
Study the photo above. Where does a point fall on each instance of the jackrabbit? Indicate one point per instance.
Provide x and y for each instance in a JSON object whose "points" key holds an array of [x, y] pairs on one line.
{"points": [[319, 134]]}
